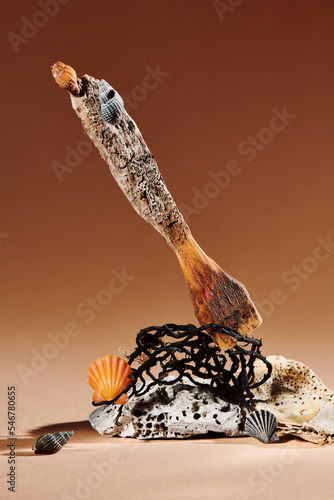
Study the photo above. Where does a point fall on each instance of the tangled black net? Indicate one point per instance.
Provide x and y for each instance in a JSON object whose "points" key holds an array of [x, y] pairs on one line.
{"points": [[188, 352]]}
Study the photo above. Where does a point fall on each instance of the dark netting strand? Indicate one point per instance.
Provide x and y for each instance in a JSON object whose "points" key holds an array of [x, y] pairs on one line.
{"points": [[180, 352]]}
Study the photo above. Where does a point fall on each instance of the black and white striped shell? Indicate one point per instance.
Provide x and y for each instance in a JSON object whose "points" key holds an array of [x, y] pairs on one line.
{"points": [[262, 425], [51, 443], [112, 105]]}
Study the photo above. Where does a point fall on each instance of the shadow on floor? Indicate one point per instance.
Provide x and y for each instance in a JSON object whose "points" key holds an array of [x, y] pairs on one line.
{"points": [[84, 434], [79, 427]]}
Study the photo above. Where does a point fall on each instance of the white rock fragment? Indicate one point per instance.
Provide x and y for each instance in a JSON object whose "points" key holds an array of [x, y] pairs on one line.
{"points": [[171, 411], [302, 404]]}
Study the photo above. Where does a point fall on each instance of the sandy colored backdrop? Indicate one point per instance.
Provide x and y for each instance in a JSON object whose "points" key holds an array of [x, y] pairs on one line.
{"points": [[252, 83]]}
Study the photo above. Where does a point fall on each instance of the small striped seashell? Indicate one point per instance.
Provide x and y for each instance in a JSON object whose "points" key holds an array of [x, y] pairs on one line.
{"points": [[262, 425], [108, 376], [51, 443], [112, 105], [66, 77]]}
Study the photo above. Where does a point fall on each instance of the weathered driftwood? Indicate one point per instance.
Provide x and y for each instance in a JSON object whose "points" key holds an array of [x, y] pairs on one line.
{"points": [[216, 296]]}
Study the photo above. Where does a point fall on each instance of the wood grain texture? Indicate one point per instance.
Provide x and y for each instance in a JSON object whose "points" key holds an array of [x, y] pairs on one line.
{"points": [[131, 163], [216, 296]]}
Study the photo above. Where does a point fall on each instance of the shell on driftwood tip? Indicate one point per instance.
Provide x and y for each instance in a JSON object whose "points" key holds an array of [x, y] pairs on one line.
{"points": [[109, 376], [66, 77], [262, 425], [112, 105], [51, 443]]}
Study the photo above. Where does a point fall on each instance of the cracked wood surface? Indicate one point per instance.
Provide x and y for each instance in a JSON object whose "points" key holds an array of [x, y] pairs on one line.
{"points": [[215, 295], [131, 163]]}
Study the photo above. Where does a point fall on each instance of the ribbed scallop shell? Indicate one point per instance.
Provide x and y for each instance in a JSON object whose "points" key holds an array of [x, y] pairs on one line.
{"points": [[262, 425], [108, 376], [112, 105], [51, 443], [66, 77]]}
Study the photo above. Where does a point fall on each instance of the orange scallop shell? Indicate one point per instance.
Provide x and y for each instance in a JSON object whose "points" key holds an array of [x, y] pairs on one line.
{"points": [[108, 376], [66, 77]]}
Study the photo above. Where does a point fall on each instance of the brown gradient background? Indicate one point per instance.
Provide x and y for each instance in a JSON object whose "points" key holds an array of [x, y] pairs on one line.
{"points": [[64, 239]]}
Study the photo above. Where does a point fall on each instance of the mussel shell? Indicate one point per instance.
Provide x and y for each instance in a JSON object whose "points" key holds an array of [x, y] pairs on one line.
{"points": [[51, 443], [112, 105], [262, 425]]}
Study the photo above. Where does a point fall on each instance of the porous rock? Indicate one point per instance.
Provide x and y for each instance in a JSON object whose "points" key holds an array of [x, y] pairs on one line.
{"points": [[302, 404], [171, 411]]}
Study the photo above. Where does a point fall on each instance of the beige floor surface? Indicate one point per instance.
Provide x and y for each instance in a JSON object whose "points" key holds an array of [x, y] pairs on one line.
{"points": [[215, 468]]}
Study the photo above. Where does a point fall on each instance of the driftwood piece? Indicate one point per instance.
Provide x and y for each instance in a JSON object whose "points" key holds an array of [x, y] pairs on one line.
{"points": [[216, 296]]}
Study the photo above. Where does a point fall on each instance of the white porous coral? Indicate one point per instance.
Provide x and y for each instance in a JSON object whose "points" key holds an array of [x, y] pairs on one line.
{"points": [[302, 404], [171, 411]]}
